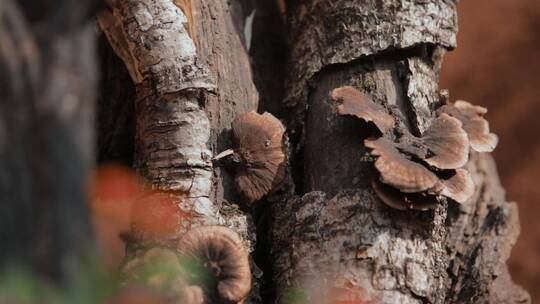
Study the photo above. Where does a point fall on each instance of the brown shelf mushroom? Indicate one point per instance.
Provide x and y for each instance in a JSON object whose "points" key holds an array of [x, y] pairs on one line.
{"points": [[398, 171], [220, 253], [353, 102], [258, 154], [447, 143], [405, 184], [477, 128], [393, 198], [444, 145], [459, 187]]}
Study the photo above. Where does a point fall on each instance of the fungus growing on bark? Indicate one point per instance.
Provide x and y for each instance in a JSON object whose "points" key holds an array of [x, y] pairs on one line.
{"points": [[353, 102], [459, 186], [220, 253], [397, 170], [415, 171], [405, 184], [477, 128], [258, 154], [447, 143], [403, 201]]}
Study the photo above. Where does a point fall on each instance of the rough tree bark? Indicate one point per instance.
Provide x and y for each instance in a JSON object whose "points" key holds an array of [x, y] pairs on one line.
{"points": [[48, 82], [192, 78], [338, 233]]}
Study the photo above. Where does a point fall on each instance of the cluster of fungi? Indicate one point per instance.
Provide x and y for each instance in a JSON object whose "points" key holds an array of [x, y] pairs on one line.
{"points": [[417, 172]]}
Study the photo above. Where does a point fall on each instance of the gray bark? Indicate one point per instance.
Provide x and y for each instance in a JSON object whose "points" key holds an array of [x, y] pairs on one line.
{"points": [[192, 78], [47, 67], [338, 233]]}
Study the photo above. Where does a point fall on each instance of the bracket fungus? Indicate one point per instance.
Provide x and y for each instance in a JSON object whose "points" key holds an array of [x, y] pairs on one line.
{"points": [[219, 252], [476, 126], [459, 186], [392, 197], [355, 103], [258, 154], [397, 170], [416, 172], [444, 145]]}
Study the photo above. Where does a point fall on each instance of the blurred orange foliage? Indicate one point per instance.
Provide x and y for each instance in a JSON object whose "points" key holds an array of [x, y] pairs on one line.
{"points": [[157, 215], [121, 204], [113, 189]]}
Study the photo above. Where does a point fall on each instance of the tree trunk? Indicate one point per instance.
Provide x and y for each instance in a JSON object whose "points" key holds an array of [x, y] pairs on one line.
{"points": [[46, 134], [338, 233], [192, 78]]}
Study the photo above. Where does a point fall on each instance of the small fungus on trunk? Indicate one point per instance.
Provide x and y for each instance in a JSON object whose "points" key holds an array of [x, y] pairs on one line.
{"points": [[353, 102], [258, 155], [219, 252], [476, 126], [416, 172]]}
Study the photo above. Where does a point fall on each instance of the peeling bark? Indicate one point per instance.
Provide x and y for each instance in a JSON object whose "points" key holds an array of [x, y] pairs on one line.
{"points": [[338, 233]]}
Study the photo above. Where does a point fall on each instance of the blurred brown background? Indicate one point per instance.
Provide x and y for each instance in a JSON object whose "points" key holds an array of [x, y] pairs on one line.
{"points": [[497, 65]]}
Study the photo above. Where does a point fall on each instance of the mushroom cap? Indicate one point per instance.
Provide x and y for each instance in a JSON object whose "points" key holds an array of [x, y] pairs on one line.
{"points": [[398, 171], [355, 103], [459, 187], [478, 131], [220, 251], [477, 127], [447, 142], [467, 107], [393, 198], [259, 144]]}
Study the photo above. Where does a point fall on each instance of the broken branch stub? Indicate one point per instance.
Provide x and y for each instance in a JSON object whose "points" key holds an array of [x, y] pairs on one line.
{"points": [[355, 103], [476, 126], [259, 154], [220, 253]]}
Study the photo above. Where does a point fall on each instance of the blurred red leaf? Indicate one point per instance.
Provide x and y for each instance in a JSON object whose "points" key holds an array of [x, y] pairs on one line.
{"points": [[157, 215], [113, 189]]}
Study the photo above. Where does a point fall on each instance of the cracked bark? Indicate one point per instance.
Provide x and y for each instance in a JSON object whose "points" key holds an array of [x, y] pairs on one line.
{"points": [[192, 78], [338, 233]]}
